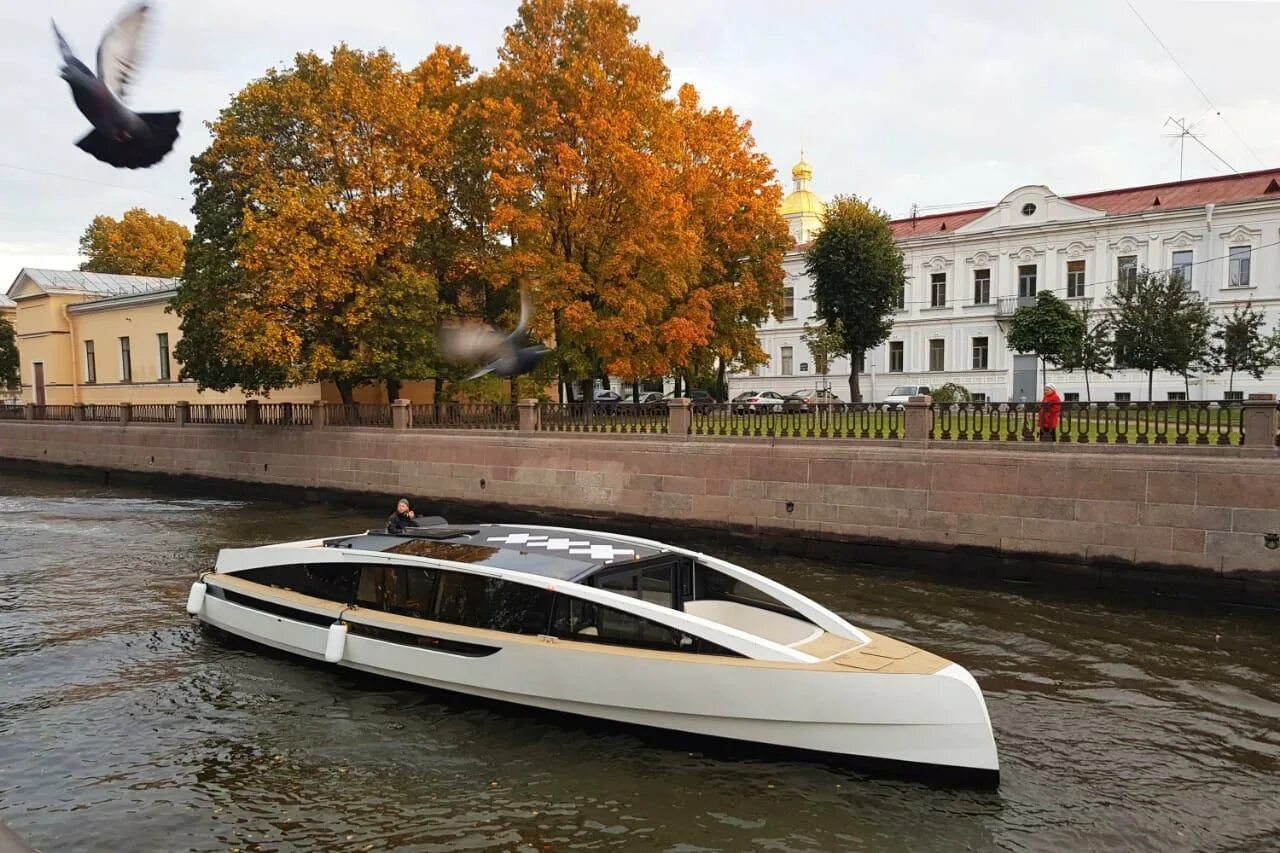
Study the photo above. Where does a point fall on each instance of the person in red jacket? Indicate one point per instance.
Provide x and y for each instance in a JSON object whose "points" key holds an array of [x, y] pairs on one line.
{"points": [[1050, 408]]}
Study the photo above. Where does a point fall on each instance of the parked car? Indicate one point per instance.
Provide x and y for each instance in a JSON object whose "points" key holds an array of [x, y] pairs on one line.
{"points": [[898, 396], [758, 401], [607, 396], [701, 400], [648, 398], [806, 399]]}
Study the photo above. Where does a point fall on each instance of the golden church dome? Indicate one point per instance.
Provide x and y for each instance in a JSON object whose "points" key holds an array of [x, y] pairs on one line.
{"points": [[802, 171], [802, 201]]}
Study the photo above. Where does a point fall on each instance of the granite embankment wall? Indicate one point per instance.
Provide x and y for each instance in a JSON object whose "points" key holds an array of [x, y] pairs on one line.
{"points": [[1164, 517]]}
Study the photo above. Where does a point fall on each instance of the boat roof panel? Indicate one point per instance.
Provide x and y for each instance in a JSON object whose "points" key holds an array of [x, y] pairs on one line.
{"points": [[543, 551]]}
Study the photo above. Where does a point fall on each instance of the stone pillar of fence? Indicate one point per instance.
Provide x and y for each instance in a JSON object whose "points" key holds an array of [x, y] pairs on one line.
{"points": [[77, 412], [251, 413], [530, 415], [126, 413], [679, 416], [182, 413], [317, 414], [29, 411], [1259, 420], [917, 418], [401, 414]]}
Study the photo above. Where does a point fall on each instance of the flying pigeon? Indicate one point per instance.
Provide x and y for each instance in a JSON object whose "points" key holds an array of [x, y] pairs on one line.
{"points": [[507, 356], [120, 136]]}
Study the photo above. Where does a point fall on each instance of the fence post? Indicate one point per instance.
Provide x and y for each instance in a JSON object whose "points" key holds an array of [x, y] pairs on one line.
{"points": [[77, 412], [317, 414], [401, 414], [1258, 420], [679, 416], [917, 418], [182, 413], [29, 411], [530, 415], [250, 413], [126, 413]]}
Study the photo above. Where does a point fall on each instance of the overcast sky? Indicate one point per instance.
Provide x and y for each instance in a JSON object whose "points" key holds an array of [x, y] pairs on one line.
{"points": [[928, 103]]}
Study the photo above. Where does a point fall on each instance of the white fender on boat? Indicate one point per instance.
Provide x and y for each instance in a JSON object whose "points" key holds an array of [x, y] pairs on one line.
{"points": [[337, 642], [195, 599]]}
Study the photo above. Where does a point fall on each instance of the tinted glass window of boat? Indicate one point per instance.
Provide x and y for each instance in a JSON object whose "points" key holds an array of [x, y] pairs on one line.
{"points": [[499, 605], [710, 585], [587, 622], [329, 581], [652, 583], [383, 587]]}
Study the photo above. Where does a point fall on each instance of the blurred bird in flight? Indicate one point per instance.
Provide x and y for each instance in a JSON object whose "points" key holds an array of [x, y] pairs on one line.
{"points": [[491, 351]]}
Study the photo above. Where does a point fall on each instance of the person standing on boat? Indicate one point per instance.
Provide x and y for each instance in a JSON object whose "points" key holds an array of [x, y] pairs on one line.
{"points": [[1050, 408], [401, 518]]}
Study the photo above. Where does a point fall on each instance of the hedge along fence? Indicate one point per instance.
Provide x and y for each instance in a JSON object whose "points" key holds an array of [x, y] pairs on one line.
{"points": [[1179, 423]]}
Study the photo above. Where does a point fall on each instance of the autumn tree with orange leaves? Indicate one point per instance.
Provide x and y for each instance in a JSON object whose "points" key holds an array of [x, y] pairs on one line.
{"points": [[310, 202], [138, 243]]}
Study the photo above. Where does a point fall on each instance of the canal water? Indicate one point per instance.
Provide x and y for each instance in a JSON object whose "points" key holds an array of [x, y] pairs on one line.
{"points": [[1122, 725]]}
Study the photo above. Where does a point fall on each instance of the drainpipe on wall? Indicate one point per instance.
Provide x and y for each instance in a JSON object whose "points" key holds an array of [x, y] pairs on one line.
{"points": [[71, 330]]}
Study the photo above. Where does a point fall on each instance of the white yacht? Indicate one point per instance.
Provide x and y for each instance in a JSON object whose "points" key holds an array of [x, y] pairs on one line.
{"points": [[605, 626]]}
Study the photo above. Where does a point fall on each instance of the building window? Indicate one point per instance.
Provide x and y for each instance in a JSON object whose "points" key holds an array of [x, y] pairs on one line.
{"points": [[1233, 395], [937, 354], [1239, 266], [902, 297], [1122, 396], [895, 356], [938, 290], [786, 361], [788, 303], [1182, 267], [1177, 395], [162, 346], [1075, 279], [126, 363], [1127, 269], [979, 353], [90, 364], [1071, 397], [982, 287], [978, 397], [1027, 280]]}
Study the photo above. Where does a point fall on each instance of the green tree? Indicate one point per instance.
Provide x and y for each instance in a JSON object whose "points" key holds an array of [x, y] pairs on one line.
{"points": [[826, 344], [1239, 345], [1050, 329], [951, 392], [1157, 324], [1091, 351], [9, 377], [139, 243], [857, 277]]}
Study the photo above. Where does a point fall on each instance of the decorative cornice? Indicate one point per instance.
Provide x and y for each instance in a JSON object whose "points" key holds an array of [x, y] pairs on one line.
{"points": [[1076, 249], [1242, 234], [1183, 240]]}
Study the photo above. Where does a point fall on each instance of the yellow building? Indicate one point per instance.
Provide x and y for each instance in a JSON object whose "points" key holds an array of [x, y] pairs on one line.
{"points": [[94, 338]]}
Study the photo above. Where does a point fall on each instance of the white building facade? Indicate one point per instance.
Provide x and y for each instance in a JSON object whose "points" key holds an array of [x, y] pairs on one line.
{"points": [[967, 271]]}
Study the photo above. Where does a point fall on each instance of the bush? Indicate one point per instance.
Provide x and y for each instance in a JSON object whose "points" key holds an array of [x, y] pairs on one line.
{"points": [[951, 393]]}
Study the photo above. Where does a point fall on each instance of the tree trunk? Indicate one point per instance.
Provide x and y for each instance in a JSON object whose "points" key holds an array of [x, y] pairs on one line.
{"points": [[345, 388], [1044, 373], [1231, 380], [1151, 374], [1088, 395], [635, 391], [679, 387], [722, 386], [1186, 386], [393, 390], [855, 393]]}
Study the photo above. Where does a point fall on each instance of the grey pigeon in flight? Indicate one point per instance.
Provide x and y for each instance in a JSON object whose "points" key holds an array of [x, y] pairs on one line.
{"points": [[120, 136], [491, 352]]}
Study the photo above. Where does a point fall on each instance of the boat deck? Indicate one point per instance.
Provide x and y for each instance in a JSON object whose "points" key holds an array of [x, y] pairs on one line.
{"points": [[882, 654]]}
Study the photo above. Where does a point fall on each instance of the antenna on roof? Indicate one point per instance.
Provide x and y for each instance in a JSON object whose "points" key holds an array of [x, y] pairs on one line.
{"points": [[1184, 130]]}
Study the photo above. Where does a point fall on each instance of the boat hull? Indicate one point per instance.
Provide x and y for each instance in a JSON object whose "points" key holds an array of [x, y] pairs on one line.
{"points": [[939, 719]]}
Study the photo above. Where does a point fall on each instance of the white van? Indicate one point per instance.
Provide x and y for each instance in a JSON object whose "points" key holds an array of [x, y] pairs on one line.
{"points": [[898, 396]]}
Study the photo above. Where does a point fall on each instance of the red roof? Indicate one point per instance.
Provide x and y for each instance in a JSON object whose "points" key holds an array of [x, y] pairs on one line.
{"points": [[1199, 191]]}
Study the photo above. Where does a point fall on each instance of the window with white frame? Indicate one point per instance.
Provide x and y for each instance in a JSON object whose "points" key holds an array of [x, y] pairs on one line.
{"points": [[980, 351], [902, 297], [1127, 269], [982, 287], [1122, 396], [1177, 395], [1233, 395], [938, 290], [1238, 266], [1027, 280], [1075, 279], [126, 361], [90, 364], [1071, 397], [937, 354], [788, 303], [786, 361], [978, 397], [895, 356], [162, 357], [1182, 266]]}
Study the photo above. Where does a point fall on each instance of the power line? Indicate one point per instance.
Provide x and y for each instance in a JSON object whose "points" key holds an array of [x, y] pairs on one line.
{"points": [[1199, 89], [100, 183]]}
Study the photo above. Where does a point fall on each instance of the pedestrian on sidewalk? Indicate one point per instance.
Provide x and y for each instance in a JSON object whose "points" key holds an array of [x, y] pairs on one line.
{"points": [[1050, 409]]}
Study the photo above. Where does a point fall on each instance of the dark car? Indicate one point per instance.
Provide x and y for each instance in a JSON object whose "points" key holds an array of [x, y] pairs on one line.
{"points": [[807, 399], [700, 399]]}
